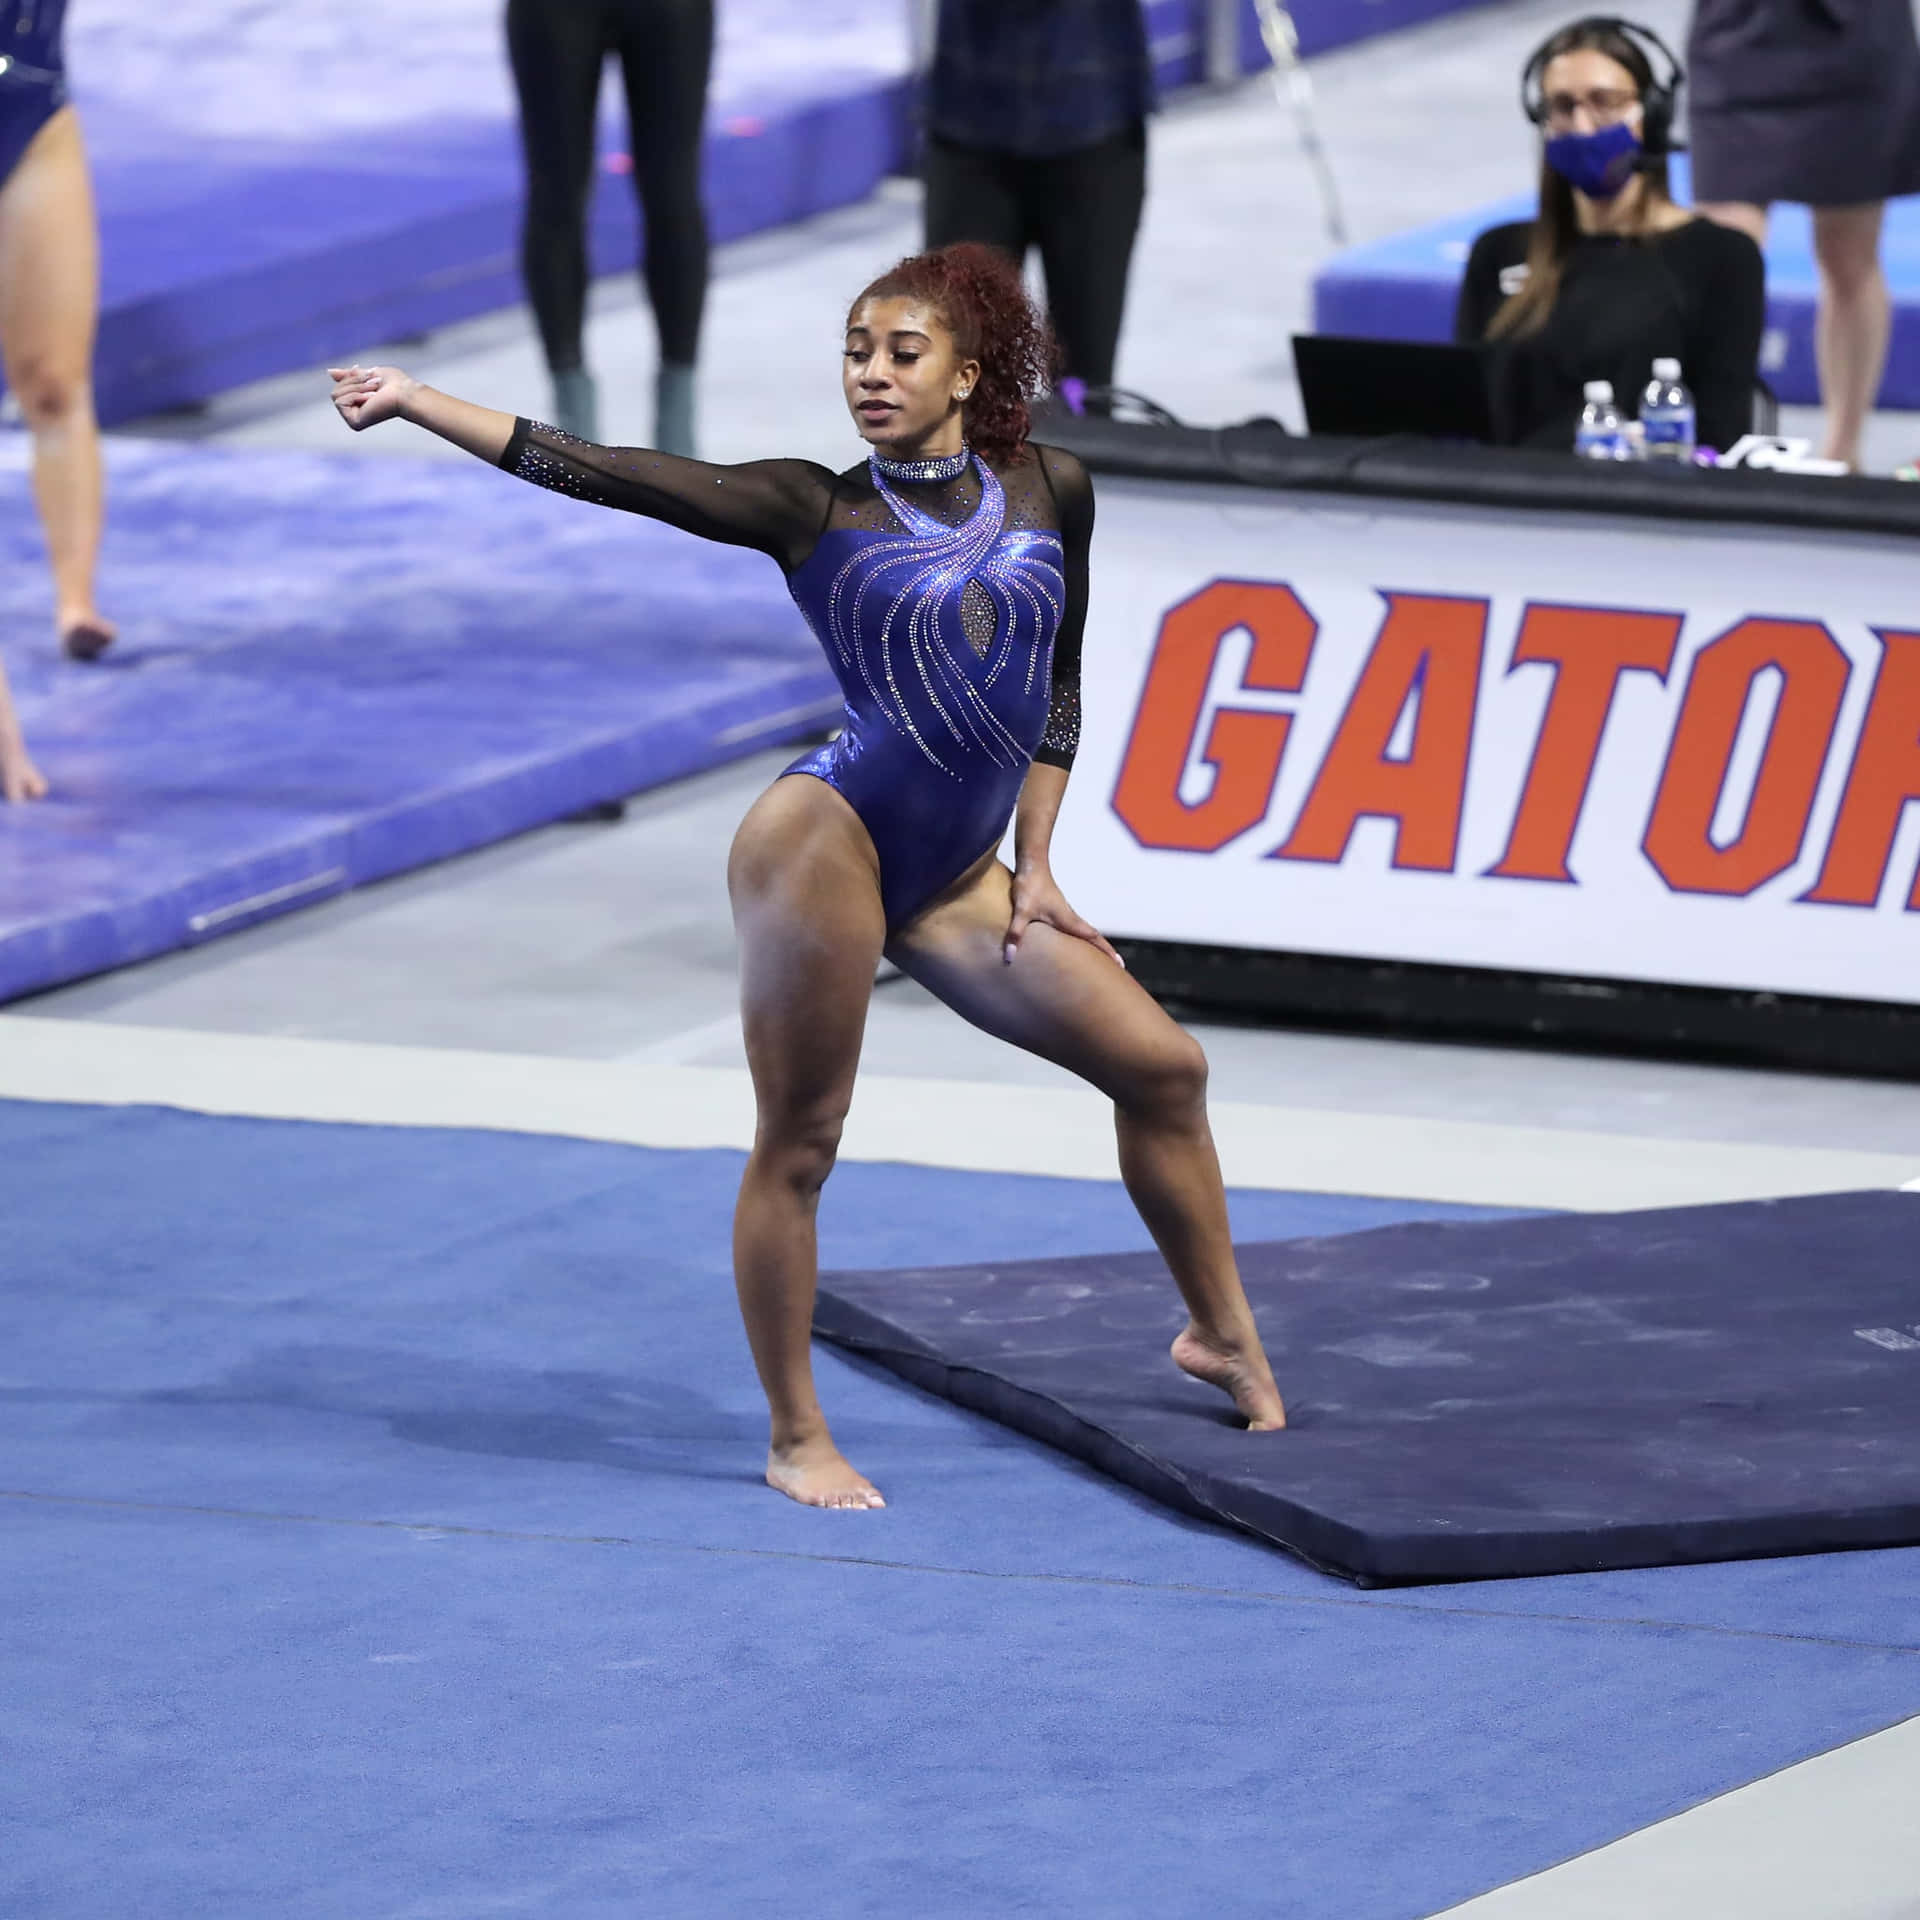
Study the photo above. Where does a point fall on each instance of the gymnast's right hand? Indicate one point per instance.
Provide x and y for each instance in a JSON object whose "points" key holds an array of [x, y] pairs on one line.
{"points": [[364, 396]]}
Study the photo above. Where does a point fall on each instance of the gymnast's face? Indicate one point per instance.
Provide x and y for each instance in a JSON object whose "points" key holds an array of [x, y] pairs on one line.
{"points": [[904, 379]]}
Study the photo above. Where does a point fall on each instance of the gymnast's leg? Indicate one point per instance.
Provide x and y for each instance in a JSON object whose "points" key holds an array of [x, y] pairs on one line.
{"points": [[806, 905], [1067, 1001], [49, 298]]}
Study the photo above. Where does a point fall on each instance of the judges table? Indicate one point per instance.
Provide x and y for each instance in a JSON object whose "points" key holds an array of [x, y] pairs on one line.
{"points": [[1477, 740]]}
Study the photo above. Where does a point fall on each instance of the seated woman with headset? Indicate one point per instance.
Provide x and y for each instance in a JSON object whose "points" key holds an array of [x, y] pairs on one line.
{"points": [[1610, 274]]}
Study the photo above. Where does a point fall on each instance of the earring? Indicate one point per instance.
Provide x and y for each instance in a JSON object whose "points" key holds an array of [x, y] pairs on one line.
{"points": [[964, 393]]}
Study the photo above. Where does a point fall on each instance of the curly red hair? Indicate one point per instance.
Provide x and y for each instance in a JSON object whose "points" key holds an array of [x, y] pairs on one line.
{"points": [[978, 292]]}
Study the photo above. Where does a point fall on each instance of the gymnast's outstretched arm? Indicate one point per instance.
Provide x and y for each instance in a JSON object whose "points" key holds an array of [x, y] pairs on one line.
{"points": [[778, 507]]}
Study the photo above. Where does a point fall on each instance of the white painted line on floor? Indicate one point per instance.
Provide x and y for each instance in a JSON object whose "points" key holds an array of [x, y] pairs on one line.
{"points": [[1834, 1838], [677, 1049], [945, 1123]]}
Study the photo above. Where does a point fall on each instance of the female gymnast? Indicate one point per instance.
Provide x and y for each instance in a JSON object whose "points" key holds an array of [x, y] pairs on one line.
{"points": [[49, 298], [946, 577]]}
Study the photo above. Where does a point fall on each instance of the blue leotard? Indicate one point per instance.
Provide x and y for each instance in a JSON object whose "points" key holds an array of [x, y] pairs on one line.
{"points": [[942, 639], [33, 74], [950, 612]]}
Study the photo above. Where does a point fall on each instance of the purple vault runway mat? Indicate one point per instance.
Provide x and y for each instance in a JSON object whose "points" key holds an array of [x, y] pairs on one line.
{"points": [[1555, 1394], [335, 668]]}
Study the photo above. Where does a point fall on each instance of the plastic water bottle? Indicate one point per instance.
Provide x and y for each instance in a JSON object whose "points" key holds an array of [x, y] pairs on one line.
{"points": [[1602, 434], [1666, 415]]}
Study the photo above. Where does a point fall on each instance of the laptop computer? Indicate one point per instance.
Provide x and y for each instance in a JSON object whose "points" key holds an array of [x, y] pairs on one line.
{"points": [[1363, 389]]}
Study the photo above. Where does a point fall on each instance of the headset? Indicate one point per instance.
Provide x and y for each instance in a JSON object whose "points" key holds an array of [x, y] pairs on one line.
{"points": [[1659, 101]]}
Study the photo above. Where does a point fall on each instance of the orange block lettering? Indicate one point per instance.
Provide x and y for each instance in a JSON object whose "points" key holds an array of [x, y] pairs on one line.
{"points": [[1679, 836], [1243, 748], [1589, 648], [1427, 652], [1884, 777]]}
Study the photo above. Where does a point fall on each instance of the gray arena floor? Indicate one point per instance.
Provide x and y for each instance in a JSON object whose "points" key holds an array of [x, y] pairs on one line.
{"points": [[610, 943]]}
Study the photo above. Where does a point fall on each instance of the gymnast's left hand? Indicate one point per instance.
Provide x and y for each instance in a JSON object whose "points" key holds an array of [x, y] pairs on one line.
{"points": [[365, 396], [1037, 901]]}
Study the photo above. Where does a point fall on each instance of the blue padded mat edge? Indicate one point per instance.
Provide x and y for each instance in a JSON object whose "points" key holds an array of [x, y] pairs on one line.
{"points": [[333, 669], [1556, 1394]]}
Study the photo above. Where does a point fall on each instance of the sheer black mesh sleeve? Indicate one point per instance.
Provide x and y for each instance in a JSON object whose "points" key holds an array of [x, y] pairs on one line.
{"points": [[776, 506], [1073, 497]]}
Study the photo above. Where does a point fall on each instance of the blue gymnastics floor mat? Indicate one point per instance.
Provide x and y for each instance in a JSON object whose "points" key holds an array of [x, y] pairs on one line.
{"points": [[384, 1536], [1559, 1394], [336, 668], [1404, 288]]}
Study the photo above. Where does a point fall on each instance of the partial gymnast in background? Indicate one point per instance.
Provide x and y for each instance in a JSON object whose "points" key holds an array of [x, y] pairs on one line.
{"points": [[49, 301], [946, 577], [665, 47]]}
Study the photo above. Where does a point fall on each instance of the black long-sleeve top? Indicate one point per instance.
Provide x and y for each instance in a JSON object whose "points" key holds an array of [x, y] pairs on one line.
{"points": [[1696, 292], [782, 507]]}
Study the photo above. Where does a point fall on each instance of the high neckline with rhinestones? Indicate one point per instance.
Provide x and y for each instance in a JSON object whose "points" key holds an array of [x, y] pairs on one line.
{"points": [[948, 467]]}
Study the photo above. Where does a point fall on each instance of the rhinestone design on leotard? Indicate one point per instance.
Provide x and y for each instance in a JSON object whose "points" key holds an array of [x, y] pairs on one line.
{"points": [[917, 576], [945, 466], [535, 463], [1063, 720]]}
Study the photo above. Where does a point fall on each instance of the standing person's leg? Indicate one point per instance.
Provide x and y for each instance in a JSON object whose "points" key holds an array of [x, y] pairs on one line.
{"points": [[1854, 324], [806, 905], [666, 57], [49, 306], [557, 48], [1086, 220], [974, 194], [1066, 1001]]}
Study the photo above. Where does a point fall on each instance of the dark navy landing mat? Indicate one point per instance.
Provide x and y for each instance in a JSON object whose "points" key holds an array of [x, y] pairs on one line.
{"points": [[334, 668], [1548, 1395]]}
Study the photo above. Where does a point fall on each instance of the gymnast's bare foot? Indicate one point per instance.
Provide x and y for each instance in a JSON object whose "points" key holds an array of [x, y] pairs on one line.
{"points": [[817, 1474], [1238, 1369], [84, 635]]}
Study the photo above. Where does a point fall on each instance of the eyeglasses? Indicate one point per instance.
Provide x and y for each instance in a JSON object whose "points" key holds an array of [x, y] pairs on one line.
{"points": [[1607, 106]]}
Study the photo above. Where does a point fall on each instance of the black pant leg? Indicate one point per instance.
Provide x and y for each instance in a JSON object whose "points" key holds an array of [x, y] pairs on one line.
{"points": [[666, 58], [556, 48], [973, 194], [1086, 213]]}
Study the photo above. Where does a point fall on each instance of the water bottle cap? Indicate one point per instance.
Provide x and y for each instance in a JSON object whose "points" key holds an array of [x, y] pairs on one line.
{"points": [[1667, 370], [1599, 391]]}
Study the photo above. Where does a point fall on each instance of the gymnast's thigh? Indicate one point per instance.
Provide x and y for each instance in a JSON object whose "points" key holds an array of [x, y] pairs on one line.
{"points": [[805, 885], [49, 260], [1060, 998]]}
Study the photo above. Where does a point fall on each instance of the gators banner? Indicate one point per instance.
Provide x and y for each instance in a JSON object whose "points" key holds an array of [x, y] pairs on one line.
{"points": [[1566, 745]]}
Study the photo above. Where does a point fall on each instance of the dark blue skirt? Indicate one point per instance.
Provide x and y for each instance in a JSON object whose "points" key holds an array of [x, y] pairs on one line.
{"points": [[1815, 101]]}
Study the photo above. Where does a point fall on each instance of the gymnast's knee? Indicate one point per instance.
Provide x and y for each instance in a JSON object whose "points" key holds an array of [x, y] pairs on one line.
{"points": [[798, 1151], [1169, 1085], [52, 393]]}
